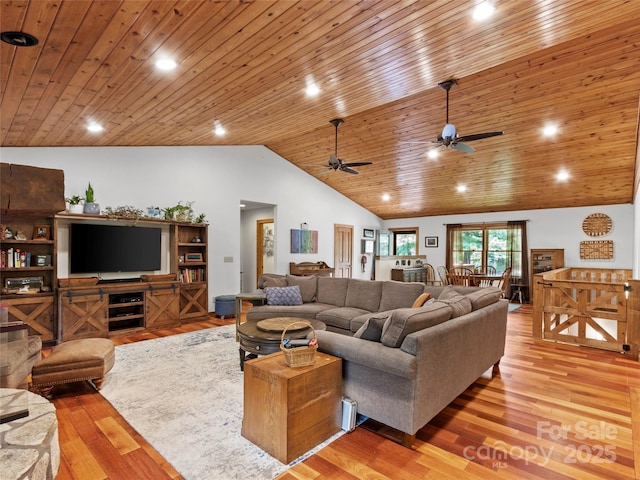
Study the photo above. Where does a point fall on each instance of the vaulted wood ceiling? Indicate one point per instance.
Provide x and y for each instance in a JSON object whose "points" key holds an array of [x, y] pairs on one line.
{"points": [[246, 65]]}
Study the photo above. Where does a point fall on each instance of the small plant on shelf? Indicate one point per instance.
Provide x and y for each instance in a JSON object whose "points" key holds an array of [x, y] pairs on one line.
{"points": [[89, 201], [75, 204], [126, 211], [180, 212], [88, 195], [74, 200]]}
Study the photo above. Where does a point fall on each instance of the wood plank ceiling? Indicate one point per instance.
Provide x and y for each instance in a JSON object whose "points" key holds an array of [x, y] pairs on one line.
{"points": [[377, 63]]}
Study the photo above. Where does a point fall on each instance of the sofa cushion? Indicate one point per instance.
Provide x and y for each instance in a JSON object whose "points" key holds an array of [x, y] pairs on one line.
{"points": [[339, 317], [308, 311], [272, 280], [460, 304], [399, 294], [372, 328], [307, 286], [484, 296], [404, 321], [332, 291], [363, 294], [283, 295]]}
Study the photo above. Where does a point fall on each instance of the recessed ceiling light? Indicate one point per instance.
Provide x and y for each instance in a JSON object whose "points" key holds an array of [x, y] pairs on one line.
{"points": [[19, 39], [483, 11], [386, 197], [94, 127], [562, 176], [433, 153], [312, 90], [550, 130], [219, 130], [166, 64], [461, 188]]}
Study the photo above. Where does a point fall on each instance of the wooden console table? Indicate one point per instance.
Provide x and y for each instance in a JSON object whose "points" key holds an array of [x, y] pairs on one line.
{"points": [[310, 268], [288, 411]]}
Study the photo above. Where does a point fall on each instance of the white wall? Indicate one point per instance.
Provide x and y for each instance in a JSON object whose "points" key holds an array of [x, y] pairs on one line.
{"points": [[551, 228], [215, 179]]}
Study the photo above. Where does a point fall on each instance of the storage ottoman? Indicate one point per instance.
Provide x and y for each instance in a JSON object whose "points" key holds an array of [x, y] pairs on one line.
{"points": [[225, 306], [74, 361]]}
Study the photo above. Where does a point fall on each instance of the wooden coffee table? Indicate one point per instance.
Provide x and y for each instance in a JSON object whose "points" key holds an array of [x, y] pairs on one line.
{"points": [[258, 338]]}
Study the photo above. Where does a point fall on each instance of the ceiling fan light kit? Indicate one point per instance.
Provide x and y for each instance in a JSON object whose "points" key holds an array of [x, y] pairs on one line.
{"points": [[449, 136]]}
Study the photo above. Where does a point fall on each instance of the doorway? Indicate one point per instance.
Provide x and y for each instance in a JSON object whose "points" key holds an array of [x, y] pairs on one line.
{"points": [[265, 246], [251, 237], [342, 250]]}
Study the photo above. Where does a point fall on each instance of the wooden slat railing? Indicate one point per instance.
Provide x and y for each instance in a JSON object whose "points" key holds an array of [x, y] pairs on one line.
{"points": [[590, 307]]}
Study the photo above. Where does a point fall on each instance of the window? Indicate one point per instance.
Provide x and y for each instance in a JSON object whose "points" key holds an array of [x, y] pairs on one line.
{"points": [[488, 246], [405, 241]]}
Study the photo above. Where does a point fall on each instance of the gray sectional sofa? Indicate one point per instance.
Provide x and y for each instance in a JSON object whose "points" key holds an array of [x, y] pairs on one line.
{"points": [[402, 363]]}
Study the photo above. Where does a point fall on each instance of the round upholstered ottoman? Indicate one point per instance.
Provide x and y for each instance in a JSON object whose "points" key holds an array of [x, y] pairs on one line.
{"points": [[225, 306], [74, 361]]}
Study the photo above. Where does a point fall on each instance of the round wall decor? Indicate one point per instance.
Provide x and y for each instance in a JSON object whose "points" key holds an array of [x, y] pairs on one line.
{"points": [[597, 224]]}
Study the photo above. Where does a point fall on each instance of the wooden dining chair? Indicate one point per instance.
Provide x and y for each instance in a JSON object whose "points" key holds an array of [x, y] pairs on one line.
{"points": [[442, 273], [430, 274], [491, 270], [503, 282], [460, 276]]}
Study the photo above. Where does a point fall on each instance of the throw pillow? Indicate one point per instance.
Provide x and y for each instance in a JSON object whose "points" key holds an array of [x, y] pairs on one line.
{"points": [[420, 300], [274, 282], [372, 329], [308, 286], [404, 321], [484, 296], [448, 292], [460, 305], [283, 295]]}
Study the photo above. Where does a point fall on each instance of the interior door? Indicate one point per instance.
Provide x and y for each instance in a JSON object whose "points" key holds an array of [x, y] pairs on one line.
{"points": [[265, 247], [342, 250]]}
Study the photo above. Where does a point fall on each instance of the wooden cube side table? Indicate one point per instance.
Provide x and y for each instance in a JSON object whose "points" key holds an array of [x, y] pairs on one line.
{"points": [[288, 411]]}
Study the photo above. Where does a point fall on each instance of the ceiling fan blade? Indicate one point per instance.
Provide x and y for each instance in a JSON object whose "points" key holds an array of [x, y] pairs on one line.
{"points": [[326, 170], [461, 147], [478, 136], [349, 170], [356, 164]]}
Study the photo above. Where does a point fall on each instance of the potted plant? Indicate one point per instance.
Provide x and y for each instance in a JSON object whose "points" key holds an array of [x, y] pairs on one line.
{"points": [[179, 212], [89, 205], [75, 205]]}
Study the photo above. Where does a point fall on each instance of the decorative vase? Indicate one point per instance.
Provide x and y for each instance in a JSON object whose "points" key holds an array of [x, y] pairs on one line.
{"points": [[92, 208], [78, 208]]}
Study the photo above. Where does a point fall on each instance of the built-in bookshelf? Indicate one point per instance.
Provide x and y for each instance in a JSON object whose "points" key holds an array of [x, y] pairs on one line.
{"points": [[189, 256], [27, 272]]}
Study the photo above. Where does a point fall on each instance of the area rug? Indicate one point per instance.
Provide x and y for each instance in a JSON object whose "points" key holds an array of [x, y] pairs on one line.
{"points": [[184, 395], [514, 306]]}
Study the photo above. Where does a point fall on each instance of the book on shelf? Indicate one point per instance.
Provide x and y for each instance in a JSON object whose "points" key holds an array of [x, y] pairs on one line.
{"points": [[192, 275]]}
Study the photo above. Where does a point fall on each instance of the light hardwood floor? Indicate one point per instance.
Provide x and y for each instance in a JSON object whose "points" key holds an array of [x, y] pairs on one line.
{"points": [[553, 412]]}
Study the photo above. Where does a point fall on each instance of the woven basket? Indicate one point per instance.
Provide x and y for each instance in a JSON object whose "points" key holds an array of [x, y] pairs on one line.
{"points": [[299, 356]]}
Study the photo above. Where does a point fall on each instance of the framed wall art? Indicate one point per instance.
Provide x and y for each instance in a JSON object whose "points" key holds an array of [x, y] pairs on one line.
{"points": [[304, 241], [41, 232], [368, 233], [431, 242]]}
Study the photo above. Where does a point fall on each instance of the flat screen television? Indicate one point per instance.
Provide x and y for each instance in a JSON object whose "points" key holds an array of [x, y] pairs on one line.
{"points": [[98, 249]]}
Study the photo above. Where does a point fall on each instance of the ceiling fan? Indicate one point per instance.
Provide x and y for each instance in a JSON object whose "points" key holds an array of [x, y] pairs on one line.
{"points": [[335, 163], [449, 137]]}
